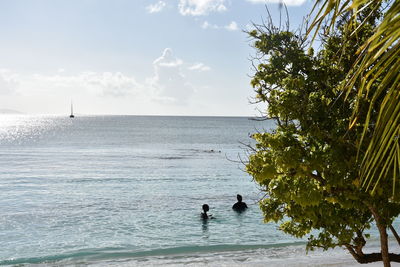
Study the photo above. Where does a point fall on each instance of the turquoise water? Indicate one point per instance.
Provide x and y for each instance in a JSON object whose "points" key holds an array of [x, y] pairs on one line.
{"points": [[98, 189]]}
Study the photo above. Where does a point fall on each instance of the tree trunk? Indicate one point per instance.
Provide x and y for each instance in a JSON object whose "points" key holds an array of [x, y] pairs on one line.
{"points": [[383, 236], [384, 244]]}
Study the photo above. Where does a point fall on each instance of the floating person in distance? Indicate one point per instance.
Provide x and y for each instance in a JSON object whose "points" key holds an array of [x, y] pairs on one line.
{"points": [[239, 206]]}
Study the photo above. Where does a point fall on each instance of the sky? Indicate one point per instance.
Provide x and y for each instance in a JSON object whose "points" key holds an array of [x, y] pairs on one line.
{"points": [[134, 57]]}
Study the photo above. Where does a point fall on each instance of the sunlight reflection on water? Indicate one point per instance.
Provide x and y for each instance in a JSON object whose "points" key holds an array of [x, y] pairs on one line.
{"points": [[20, 128]]}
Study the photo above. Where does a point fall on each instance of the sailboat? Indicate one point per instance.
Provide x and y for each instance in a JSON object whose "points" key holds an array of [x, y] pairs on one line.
{"points": [[72, 112]]}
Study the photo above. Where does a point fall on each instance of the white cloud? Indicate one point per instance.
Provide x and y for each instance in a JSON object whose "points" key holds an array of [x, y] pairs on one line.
{"points": [[112, 84], [167, 60], [207, 25], [199, 67], [232, 26], [97, 83], [8, 82], [201, 7], [157, 7], [169, 83], [286, 2]]}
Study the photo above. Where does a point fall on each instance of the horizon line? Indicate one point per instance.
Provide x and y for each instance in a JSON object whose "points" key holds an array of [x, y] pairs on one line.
{"points": [[138, 115]]}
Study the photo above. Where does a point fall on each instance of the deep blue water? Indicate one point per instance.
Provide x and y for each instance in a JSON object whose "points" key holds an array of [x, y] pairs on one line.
{"points": [[102, 188]]}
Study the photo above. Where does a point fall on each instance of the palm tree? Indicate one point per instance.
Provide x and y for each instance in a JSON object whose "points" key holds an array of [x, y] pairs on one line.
{"points": [[378, 63]]}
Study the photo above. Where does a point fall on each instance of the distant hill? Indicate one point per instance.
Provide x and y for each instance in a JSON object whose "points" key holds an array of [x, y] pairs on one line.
{"points": [[10, 111]]}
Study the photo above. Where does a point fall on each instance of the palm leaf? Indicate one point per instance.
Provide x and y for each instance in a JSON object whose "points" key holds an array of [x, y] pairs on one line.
{"points": [[378, 62]]}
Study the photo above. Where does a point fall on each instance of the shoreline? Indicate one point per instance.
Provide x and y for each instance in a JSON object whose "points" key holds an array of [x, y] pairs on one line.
{"points": [[220, 255], [294, 255]]}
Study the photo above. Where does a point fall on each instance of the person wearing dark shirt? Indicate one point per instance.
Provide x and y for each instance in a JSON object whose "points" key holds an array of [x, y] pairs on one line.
{"points": [[239, 206], [204, 214]]}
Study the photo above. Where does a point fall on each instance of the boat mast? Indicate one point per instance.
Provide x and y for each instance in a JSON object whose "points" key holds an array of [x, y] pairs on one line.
{"points": [[72, 111]]}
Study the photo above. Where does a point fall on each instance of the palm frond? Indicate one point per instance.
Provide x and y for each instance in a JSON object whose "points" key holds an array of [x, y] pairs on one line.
{"points": [[378, 63]]}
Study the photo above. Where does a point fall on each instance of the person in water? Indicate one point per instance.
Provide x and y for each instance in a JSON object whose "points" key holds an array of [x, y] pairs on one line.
{"points": [[204, 214], [239, 206]]}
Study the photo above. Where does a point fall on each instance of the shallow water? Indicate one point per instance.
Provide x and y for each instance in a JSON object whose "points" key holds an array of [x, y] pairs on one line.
{"points": [[104, 189]]}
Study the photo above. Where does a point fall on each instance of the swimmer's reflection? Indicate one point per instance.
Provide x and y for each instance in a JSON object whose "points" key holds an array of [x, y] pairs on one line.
{"points": [[205, 218], [204, 226]]}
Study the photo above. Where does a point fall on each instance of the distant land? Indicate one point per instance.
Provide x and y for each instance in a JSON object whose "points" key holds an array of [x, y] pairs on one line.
{"points": [[9, 111]]}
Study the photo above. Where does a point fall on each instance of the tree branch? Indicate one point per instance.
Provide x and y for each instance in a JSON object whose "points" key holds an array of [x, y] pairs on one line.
{"points": [[371, 257], [395, 233]]}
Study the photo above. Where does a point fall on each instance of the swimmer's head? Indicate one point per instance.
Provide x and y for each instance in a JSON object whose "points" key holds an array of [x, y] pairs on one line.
{"points": [[239, 197], [206, 207]]}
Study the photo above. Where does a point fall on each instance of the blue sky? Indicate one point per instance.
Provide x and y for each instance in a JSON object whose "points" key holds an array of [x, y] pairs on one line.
{"points": [[140, 57]]}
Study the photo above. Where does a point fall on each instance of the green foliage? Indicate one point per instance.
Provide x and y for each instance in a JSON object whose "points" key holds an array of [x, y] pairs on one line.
{"points": [[308, 164]]}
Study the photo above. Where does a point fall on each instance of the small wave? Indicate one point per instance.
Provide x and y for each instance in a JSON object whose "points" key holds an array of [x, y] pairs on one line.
{"points": [[171, 157], [121, 253], [205, 249]]}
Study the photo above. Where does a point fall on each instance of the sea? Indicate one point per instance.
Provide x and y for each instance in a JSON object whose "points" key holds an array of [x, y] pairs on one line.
{"points": [[128, 191]]}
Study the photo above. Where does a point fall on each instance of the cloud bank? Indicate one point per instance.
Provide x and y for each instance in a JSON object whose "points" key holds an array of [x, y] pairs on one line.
{"points": [[166, 85], [114, 84]]}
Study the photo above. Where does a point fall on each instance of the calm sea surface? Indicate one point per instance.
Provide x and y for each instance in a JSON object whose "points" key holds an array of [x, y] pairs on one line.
{"points": [[100, 189]]}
